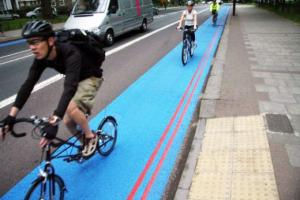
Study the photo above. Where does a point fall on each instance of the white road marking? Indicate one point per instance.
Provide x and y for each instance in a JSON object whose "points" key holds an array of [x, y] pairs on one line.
{"points": [[15, 53], [55, 78]]}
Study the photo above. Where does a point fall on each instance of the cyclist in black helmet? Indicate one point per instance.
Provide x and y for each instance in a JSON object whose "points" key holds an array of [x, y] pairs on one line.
{"points": [[82, 81]]}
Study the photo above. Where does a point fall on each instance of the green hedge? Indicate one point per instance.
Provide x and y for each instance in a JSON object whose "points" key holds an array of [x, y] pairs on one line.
{"points": [[19, 23], [290, 11]]}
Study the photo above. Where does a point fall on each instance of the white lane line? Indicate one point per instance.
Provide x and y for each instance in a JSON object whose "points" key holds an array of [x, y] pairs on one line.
{"points": [[14, 54], [55, 78], [16, 59], [37, 87]]}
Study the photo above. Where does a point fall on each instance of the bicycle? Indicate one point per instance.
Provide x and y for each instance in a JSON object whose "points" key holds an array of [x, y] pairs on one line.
{"points": [[48, 185], [214, 17], [187, 47]]}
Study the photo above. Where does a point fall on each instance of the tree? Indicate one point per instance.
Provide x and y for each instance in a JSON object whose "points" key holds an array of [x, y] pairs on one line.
{"points": [[69, 5], [13, 5], [46, 9]]}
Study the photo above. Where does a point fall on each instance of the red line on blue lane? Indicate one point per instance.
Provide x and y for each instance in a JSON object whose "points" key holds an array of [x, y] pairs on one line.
{"points": [[171, 122], [162, 138], [158, 167]]}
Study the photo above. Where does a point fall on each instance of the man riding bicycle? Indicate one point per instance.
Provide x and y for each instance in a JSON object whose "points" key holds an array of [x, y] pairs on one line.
{"points": [[214, 8], [83, 78], [189, 16]]}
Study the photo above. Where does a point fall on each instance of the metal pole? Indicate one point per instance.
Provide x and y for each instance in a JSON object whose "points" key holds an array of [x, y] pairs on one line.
{"points": [[233, 9]]}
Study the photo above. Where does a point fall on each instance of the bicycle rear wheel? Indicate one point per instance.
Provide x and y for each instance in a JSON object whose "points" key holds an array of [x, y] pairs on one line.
{"points": [[184, 54], [107, 131], [51, 189], [214, 19]]}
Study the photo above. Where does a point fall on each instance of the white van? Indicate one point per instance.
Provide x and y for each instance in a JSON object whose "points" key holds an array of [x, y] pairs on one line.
{"points": [[110, 18]]}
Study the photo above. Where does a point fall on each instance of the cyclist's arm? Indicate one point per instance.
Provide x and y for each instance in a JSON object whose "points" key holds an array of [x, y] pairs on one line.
{"points": [[14, 111], [34, 74], [195, 19], [211, 7], [73, 66], [181, 19]]}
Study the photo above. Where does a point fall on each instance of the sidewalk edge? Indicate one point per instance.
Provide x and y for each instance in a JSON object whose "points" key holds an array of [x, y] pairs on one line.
{"points": [[181, 176]]}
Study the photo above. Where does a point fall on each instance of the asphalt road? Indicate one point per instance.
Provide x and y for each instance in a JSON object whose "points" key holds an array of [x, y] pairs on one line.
{"points": [[121, 68]]}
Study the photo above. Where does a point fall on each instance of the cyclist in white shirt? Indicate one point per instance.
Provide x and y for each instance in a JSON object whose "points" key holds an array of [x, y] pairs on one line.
{"points": [[189, 16]]}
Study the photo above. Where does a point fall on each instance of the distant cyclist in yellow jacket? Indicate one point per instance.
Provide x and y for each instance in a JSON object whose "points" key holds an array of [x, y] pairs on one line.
{"points": [[214, 8]]}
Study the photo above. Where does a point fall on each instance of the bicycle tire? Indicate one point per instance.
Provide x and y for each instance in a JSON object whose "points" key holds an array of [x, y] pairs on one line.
{"points": [[184, 55], [31, 195], [214, 20], [107, 139], [191, 50]]}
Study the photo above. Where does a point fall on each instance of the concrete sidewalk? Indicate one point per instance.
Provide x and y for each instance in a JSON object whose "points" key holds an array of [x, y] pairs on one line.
{"points": [[247, 143]]}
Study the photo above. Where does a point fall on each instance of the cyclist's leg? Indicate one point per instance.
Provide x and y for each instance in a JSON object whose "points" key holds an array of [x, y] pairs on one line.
{"points": [[193, 36], [82, 103], [184, 35], [70, 124]]}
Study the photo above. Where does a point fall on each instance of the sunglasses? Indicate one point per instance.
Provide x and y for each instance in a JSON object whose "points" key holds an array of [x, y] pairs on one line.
{"points": [[35, 41]]}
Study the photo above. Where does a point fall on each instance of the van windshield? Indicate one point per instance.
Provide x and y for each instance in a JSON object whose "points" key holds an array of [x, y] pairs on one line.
{"points": [[89, 6]]}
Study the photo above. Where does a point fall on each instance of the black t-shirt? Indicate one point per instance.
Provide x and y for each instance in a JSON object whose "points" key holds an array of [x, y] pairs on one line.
{"points": [[71, 62]]}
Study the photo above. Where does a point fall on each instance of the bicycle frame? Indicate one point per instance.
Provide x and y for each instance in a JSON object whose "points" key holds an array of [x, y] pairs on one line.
{"points": [[47, 176], [49, 183], [187, 38]]}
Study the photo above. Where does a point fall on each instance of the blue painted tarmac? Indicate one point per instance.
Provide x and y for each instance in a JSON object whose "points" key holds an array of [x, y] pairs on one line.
{"points": [[143, 112]]}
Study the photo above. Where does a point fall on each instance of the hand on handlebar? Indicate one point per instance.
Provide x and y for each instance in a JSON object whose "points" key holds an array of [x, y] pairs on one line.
{"points": [[49, 131], [7, 126]]}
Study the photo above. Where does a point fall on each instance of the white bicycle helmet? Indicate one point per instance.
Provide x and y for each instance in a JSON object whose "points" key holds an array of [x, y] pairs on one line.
{"points": [[190, 3]]}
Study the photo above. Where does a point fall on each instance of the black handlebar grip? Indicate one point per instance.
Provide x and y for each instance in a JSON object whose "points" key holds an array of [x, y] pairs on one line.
{"points": [[18, 134]]}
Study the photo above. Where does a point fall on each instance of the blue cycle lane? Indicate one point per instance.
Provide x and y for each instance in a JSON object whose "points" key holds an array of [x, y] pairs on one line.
{"points": [[153, 116]]}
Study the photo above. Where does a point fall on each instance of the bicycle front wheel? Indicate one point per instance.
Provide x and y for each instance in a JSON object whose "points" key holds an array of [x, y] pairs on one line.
{"points": [[51, 189], [107, 131], [184, 54], [192, 48]]}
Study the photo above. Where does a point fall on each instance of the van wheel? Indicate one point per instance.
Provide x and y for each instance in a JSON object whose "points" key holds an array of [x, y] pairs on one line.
{"points": [[144, 26], [109, 38]]}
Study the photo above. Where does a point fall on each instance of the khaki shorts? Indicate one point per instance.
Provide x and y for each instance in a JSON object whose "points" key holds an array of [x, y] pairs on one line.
{"points": [[86, 93]]}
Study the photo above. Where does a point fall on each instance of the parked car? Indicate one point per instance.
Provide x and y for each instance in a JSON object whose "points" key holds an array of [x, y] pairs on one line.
{"points": [[38, 12], [8, 14]]}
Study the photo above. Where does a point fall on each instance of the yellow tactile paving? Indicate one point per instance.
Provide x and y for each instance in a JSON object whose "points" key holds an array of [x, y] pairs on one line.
{"points": [[254, 186], [250, 140], [252, 161], [211, 186], [215, 161], [220, 124], [217, 141], [235, 162], [249, 123]]}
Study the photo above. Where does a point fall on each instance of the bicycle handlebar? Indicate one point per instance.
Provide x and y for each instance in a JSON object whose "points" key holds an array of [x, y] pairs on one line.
{"points": [[187, 29], [34, 120]]}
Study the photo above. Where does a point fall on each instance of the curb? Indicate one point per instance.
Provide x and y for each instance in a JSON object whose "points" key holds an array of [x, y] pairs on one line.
{"points": [[207, 110]]}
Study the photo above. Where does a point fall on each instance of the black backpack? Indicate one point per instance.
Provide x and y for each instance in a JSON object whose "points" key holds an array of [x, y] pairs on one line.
{"points": [[88, 42]]}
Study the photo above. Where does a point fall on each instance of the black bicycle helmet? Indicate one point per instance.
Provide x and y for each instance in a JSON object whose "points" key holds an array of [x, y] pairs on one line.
{"points": [[37, 28]]}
